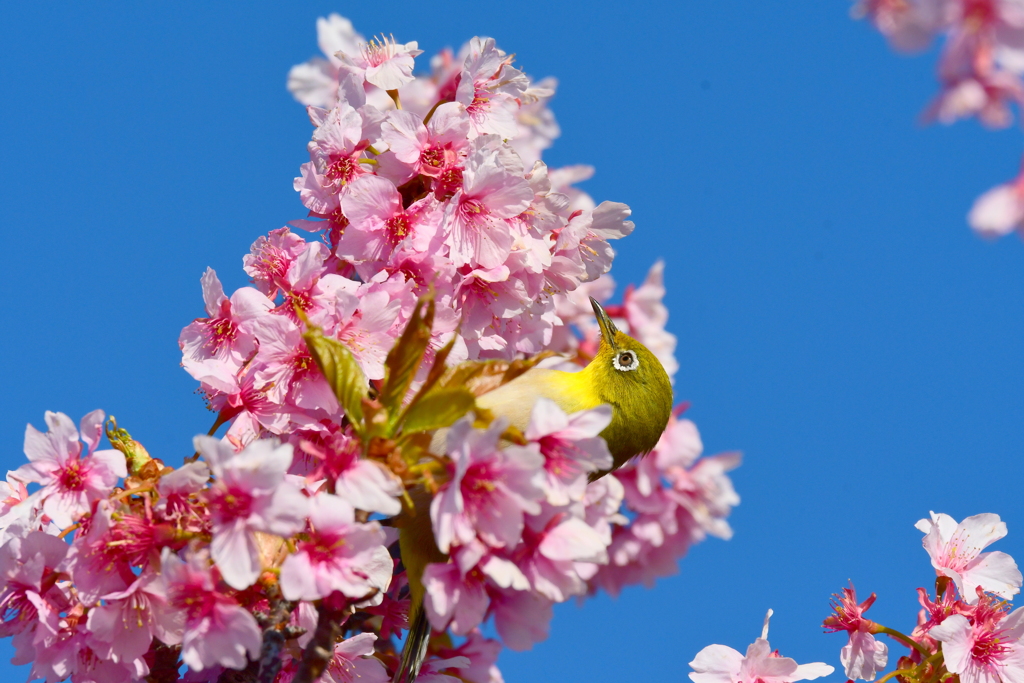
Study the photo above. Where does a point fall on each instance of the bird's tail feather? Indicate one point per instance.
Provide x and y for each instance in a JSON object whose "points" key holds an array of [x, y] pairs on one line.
{"points": [[415, 649]]}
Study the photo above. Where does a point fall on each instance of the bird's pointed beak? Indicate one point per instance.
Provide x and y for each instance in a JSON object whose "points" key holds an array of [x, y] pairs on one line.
{"points": [[608, 329]]}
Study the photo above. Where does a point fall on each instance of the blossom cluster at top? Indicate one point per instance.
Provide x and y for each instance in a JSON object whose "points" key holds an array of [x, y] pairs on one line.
{"points": [[979, 71], [439, 259], [967, 632]]}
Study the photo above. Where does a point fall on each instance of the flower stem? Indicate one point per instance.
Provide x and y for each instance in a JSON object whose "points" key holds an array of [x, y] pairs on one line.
{"points": [[68, 530], [905, 639], [426, 119], [932, 659], [132, 492]]}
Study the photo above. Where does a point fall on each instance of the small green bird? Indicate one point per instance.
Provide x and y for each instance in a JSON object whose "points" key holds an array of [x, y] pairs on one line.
{"points": [[624, 374]]}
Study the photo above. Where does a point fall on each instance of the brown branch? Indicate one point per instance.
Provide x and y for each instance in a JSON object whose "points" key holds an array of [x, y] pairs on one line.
{"points": [[165, 664], [320, 649], [273, 635]]}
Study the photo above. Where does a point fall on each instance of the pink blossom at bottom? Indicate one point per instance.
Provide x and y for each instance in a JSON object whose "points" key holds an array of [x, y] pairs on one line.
{"points": [[863, 656], [722, 664], [217, 630], [983, 653], [571, 447], [353, 662], [482, 654], [339, 555], [454, 600], [436, 670], [30, 600], [490, 489], [521, 618], [250, 494], [128, 620]]}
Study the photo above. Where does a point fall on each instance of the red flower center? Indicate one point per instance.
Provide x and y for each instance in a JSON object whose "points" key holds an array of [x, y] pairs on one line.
{"points": [[988, 650], [72, 477]]}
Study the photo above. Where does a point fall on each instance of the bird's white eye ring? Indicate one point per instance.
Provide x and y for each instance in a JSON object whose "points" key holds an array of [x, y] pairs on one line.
{"points": [[625, 360]]}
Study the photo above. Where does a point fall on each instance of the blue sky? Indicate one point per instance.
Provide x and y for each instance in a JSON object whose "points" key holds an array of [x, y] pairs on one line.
{"points": [[838, 322]]}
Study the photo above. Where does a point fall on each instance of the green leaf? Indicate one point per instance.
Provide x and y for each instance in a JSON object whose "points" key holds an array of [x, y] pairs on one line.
{"points": [[440, 408], [405, 357], [437, 370], [342, 372]]}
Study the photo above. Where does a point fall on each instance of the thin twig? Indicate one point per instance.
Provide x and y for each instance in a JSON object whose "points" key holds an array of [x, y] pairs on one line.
{"points": [[321, 648], [273, 637]]}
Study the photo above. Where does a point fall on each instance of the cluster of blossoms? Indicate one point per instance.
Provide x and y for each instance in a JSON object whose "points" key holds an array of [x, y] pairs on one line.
{"points": [[966, 633], [445, 259], [979, 71]]}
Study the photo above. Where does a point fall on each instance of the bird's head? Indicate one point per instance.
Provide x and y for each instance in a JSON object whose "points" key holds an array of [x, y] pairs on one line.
{"points": [[632, 379]]}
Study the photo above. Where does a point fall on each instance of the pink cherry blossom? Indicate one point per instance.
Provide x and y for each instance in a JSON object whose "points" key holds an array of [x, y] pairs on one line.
{"points": [[537, 128], [999, 211], [250, 493], [489, 490], [862, 656], [215, 348], [29, 596], [679, 498], [336, 158], [591, 230], [339, 555], [270, 257], [987, 96], [393, 610], [483, 656], [489, 89], [955, 551], [252, 411], [316, 82], [488, 297], [176, 487], [577, 327], [20, 512], [935, 612], [521, 618], [286, 370], [128, 620], [97, 561], [647, 316], [562, 181], [983, 652], [571, 446], [383, 62], [490, 192], [379, 224], [556, 551], [71, 480], [428, 149], [443, 670], [217, 630], [308, 287], [364, 483], [365, 323], [453, 599], [908, 25], [353, 662], [70, 654], [722, 664]]}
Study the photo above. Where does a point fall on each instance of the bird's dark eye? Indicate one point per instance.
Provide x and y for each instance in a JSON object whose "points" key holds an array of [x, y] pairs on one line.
{"points": [[625, 360]]}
